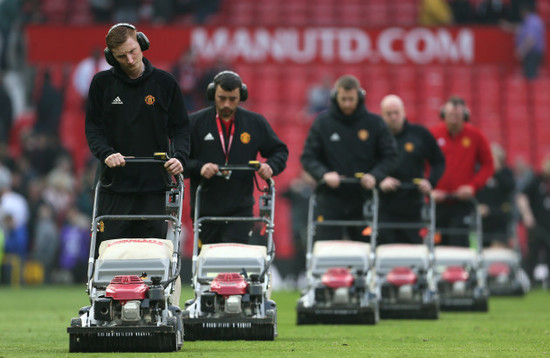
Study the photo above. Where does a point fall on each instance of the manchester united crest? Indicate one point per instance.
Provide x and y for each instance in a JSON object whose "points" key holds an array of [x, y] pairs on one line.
{"points": [[466, 142], [150, 100], [363, 134], [245, 138], [409, 146]]}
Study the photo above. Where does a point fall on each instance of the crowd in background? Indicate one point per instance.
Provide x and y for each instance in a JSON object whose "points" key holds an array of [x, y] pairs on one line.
{"points": [[46, 204]]}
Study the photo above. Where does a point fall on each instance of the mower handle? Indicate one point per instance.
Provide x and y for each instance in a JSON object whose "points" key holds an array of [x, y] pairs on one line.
{"points": [[159, 158], [252, 165], [356, 179]]}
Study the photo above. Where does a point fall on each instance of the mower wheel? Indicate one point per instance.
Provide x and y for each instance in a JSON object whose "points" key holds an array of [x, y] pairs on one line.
{"points": [[76, 322]]}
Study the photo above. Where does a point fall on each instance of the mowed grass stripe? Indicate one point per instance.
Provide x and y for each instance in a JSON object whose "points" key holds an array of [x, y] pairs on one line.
{"points": [[33, 323]]}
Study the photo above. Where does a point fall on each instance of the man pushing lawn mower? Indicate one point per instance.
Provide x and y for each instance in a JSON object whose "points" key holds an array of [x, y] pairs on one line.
{"points": [[133, 111], [231, 278]]}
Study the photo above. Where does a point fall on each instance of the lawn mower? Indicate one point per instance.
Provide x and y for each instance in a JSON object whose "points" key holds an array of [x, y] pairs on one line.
{"points": [[460, 271], [232, 281], [340, 273], [505, 276], [406, 272], [133, 284]]}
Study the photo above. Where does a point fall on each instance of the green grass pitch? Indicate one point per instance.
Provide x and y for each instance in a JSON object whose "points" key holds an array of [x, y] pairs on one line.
{"points": [[33, 322]]}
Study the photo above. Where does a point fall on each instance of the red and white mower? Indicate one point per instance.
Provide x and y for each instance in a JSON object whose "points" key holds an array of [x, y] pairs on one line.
{"points": [[341, 277], [406, 272], [232, 281], [133, 284], [461, 272]]}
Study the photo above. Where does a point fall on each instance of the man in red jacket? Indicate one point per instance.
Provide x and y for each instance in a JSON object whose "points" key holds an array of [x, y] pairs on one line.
{"points": [[469, 165]]}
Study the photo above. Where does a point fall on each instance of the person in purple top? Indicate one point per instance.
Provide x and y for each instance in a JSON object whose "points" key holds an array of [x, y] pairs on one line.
{"points": [[530, 40]]}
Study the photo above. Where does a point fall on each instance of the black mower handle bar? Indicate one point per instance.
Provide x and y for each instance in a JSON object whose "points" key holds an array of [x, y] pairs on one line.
{"points": [[251, 166], [159, 158], [356, 179]]}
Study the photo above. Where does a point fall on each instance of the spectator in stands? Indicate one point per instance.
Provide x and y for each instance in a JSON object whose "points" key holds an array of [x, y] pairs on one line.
{"points": [[435, 13], [469, 165], [46, 242], [534, 206], [10, 11], [222, 134], [343, 141], [85, 71], [48, 108], [126, 10], [492, 12], [496, 201], [6, 112], [74, 246], [41, 150], [102, 10], [14, 214], [530, 40], [462, 12], [134, 109], [164, 11], [187, 74], [202, 9], [417, 148], [318, 97]]}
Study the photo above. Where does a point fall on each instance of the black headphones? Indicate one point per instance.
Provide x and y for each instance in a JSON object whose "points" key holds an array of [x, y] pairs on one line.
{"points": [[142, 40], [457, 101], [211, 89], [360, 92]]}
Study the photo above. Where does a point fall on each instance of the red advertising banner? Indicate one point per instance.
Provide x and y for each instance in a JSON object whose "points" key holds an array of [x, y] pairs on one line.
{"points": [[298, 45]]}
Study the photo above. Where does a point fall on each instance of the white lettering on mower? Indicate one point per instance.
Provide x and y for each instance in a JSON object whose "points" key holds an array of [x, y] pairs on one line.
{"points": [[227, 325], [123, 334]]}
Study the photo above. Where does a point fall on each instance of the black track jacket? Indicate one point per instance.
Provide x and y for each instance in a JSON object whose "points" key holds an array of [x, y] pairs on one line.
{"points": [[358, 143], [136, 117], [252, 135], [415, 146]]}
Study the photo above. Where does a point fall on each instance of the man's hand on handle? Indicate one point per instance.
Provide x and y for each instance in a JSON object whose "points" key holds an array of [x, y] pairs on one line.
{"points": [[209, 170], [265, 172], [389, 184], [173, 166], [368, 181], [115, 160], [332, 179]]}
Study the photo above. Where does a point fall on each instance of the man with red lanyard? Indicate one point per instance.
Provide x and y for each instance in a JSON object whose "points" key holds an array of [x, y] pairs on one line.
{"points": [[469, 164], [228, 134]]}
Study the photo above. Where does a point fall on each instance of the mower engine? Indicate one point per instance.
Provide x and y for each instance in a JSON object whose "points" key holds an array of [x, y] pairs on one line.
{"points": [[128, 300], [455, 281], [338, 285], [402, 283], [231, 293]]}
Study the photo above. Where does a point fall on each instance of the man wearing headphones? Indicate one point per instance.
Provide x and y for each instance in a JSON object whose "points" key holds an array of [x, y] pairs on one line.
{"points": [[134, 110], [469, 164], [416, 147], [343, 141], [225, 134]]}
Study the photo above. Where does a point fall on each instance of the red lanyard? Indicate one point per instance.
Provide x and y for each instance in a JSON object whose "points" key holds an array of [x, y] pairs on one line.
{"points": [[222, 138]]}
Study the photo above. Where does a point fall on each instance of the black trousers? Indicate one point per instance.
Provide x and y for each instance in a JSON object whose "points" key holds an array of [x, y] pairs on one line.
{"points": [[218, 232], [454, 218], [131, 204], [398, 235], [334, 208], [538, 241]]}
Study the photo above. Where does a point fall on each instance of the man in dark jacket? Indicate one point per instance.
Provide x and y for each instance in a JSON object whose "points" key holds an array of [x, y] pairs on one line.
{"points": [[344, 141], [228, 134], [416, 147], [135, 110]]}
